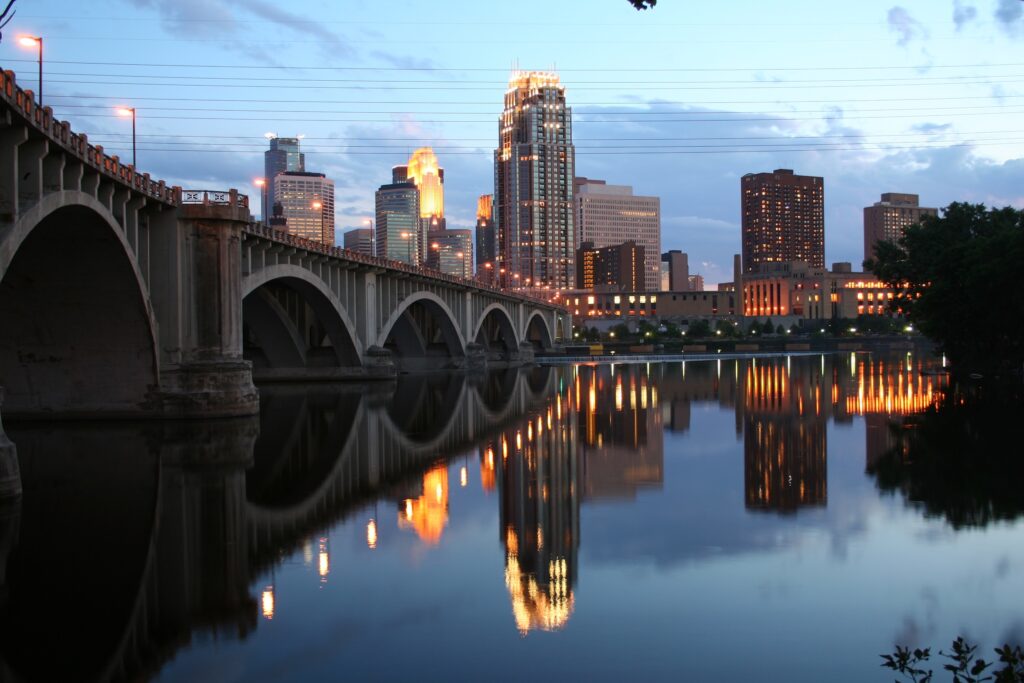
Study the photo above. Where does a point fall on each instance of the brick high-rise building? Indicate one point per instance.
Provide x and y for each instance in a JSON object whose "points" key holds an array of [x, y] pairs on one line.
{"points": [[675, 272], [783, 219], [888, 218], [533, 171], [618, 267], [612, 214]]}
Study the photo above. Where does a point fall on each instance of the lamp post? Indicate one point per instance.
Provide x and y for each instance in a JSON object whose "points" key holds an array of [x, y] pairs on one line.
{"points": [[37, 42], [262, 184], [319, 206], [408, 246], [130, 111]]}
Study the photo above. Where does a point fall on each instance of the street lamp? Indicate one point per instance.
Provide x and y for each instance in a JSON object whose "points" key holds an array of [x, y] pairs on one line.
{"points": [[37, 42], [262, 184], [408, 246], [130, 111], [319, 206]]}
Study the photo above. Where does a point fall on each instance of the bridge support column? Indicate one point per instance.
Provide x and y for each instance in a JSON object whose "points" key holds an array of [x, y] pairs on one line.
{"points": [[10, 473], [209, 377]]}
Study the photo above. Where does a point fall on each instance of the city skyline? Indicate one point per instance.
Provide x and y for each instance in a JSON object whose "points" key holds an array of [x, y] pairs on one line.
{"points": [[929, 111]]}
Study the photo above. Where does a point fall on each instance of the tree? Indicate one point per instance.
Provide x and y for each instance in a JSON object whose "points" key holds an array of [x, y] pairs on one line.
{"points": [[620, 331], [698, 329], [957, 278], [643, 4], [767, 327]]}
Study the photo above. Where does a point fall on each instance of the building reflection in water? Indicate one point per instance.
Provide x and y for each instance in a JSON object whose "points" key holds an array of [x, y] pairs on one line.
{"points": [[427, 513], [538, 478], [548, 441]]}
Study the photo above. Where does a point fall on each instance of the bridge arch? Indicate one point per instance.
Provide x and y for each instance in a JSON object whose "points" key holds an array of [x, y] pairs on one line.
{"points": [[498, 316], [538, 330], [283, 344], [407, 336], [79, 335]]}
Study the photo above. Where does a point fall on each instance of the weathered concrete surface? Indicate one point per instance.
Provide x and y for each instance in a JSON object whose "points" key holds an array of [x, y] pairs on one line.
{"points": [[10, 474]]}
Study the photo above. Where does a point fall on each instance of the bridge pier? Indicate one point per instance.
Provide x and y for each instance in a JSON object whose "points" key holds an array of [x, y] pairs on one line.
{"points": [[198, 303], [10, 474]]}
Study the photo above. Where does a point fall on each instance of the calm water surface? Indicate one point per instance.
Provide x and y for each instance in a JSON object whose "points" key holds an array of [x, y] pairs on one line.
{"points": [[724, 520]]}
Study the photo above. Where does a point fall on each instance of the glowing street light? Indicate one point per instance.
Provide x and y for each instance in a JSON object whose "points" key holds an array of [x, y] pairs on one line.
{"points": [[371, 533], [36, 42], [262, 184], [319, 206], [408, 245], [130, 111]]}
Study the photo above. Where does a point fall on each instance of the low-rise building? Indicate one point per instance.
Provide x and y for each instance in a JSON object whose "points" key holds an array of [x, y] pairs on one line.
{"points": [[781, 290]]}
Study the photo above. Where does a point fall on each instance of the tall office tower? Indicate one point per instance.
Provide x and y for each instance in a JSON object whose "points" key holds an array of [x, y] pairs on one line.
{"points": [[398, 223], [283, 156], [676, 271], [783, 219], [533, 171], [307, 203], [612, 214], [360, 239], [615, 268], [426, 174], [451, 252], [486, 238], [887, 219]]}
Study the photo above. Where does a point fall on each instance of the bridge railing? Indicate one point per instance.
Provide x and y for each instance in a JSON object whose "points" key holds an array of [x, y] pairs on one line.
{"points": [[211, 197], [401, 266], [77, 144]]}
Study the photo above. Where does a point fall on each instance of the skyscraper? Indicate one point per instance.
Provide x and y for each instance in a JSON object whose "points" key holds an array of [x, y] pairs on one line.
{"points": [[783, 219], [424, 171], [307, 202], [359, 239], [486, 239], [533, 170], [675, 271], [283, 156], [398, 223], [451, 252], [888, 218], [612, 214], [615, 268]]}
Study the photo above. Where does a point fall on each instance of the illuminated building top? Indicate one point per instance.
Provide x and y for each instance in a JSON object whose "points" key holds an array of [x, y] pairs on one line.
{"points": [[427, 174], [483, 207]]}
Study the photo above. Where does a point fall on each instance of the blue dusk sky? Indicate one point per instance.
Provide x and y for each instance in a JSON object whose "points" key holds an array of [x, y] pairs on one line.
{"points": [[680, 101]]}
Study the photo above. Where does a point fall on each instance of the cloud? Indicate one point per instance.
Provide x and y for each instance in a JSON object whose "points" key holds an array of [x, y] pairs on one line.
{"points": [[932, 128], [201, 19], [963, 14], [1010, 15], [905, 26]]}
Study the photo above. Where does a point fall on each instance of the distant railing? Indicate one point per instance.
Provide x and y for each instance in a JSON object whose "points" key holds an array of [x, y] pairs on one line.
{"points": [[23, 102], [400, 266]]}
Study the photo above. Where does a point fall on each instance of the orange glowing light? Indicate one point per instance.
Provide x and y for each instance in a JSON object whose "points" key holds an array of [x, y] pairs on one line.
{"points": [[428, 514], [485, 207], [425, 172], [371, 533], [126, 111], [29, 41]]}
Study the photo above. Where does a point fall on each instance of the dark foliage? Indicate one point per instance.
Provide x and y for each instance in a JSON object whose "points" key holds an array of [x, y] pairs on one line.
{"points": [[643, 4], [963, 664], [961, 459], [957, 278]]}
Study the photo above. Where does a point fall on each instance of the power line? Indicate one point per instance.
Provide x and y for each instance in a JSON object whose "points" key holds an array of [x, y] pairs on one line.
{"points": [[505, 70]]}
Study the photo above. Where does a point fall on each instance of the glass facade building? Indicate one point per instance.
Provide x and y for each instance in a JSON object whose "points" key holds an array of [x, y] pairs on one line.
{"points": [[533, 191]]}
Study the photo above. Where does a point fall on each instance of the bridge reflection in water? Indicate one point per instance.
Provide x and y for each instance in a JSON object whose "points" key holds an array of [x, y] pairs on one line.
{"points": [[165, 528]]}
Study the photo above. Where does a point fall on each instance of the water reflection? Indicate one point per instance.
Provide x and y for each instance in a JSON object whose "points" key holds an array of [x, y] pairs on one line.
{"points": [[193, 521]]}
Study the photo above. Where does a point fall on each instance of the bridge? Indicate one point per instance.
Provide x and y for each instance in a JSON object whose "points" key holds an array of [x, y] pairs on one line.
{"points": [[123, 297]]}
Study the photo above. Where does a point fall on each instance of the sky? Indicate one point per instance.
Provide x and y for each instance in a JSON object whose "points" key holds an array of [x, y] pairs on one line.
{"points": [[679, 101]]}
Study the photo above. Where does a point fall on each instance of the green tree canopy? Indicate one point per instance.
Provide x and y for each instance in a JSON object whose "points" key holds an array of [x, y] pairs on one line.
{"points": [[958, 279]]}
